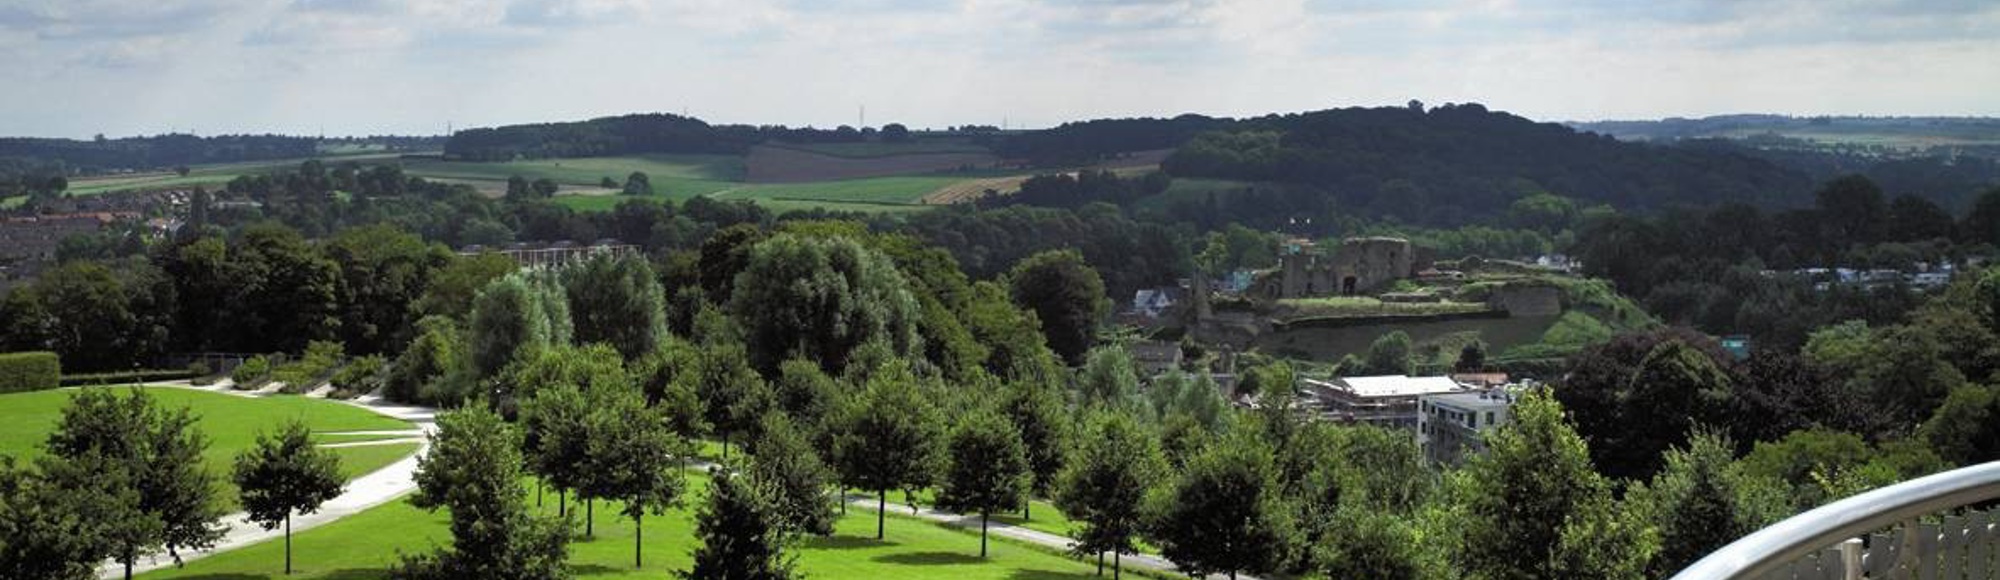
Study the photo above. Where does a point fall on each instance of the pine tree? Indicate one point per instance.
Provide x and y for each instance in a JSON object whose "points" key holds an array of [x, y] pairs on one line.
{"points": [[740, 532], [286, 474]]}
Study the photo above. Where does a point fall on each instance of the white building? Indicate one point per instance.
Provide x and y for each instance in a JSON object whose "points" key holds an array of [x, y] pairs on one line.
{"points": [[1452, 425], [1388, 401]]}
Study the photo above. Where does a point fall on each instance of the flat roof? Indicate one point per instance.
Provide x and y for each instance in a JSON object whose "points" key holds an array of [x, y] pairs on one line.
{"points": [[1397, 385], [1472, 400]]}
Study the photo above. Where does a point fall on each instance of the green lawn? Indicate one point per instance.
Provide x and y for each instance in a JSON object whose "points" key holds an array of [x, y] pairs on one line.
{"points": [[230, 422], [360, 546]]}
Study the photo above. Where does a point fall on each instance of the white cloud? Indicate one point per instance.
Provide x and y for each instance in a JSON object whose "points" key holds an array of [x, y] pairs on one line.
{"points": [[409, 65]]}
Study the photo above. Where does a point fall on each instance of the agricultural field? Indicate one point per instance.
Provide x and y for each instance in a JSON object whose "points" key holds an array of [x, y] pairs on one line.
{"points": [[362, 546], [231, 423], [767, 164], [869, 149], [203, 175]]}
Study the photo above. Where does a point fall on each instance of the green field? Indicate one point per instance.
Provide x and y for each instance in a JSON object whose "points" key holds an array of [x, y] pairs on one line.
{"points": [[230, 422], [869, 149], [1361, 306], [360, 546], [678, 176], [873, 194]]}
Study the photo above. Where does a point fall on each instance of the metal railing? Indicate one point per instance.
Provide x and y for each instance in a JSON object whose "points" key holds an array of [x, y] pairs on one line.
{"points": [[1774, 548]]}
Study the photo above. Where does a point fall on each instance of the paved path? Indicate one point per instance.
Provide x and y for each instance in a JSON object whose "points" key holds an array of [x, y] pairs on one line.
{"points": [[1145, 561], [374, 489]]}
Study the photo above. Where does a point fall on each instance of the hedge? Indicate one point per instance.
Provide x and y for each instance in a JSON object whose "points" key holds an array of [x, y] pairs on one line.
{"points": [[29, 371], [125, 377]]}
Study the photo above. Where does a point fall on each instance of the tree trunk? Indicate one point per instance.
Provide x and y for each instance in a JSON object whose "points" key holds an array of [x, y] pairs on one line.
{"points": [[881, 511], [638, 539], [1117, 565], [982, 534], [725, 447], [1024, 509], [288, 543], [842, 496], [589, 518], [1100, 563], [562, 502], [538, 492]]}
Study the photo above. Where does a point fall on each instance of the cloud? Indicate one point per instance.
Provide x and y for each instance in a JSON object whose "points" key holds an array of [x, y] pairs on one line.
{"points": [[268, 64]]}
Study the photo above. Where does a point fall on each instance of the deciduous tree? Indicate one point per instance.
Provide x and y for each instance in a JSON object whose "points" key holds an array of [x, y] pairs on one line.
{"points": [[1104, 486], [987, 468], [286, 474], [741, 534], [1067, 297]]}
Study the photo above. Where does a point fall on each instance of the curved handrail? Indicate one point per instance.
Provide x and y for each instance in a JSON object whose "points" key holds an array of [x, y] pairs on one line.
{"points": [[1787, 541]]}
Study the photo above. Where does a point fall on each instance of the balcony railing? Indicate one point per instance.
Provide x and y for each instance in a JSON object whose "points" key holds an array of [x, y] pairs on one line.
{"points": [[1826, 543]]}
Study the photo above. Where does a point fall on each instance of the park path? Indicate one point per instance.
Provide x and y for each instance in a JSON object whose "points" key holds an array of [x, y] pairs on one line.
{"points": [[373, 489], [1018, 533]]}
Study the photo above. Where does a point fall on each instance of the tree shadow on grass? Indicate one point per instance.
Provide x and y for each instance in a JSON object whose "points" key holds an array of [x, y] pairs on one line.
{"points": [[1047, 575], [930, 559], [594, 570], [343, 574], [844, 543]]}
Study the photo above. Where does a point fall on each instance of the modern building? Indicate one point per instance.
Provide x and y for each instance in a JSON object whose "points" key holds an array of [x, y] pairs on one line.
{"points": [[1451, 426], [1387, 401]]}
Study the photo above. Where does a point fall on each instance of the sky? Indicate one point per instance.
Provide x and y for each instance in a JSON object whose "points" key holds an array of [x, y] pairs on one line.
{"points": [[74, 68]]}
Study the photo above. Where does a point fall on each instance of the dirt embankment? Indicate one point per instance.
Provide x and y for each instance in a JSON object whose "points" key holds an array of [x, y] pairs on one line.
{"points": [[767, 164]]}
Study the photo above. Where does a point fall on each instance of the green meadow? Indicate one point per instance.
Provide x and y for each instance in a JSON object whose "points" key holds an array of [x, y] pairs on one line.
{"points": [[364, 545], [231, 423]]}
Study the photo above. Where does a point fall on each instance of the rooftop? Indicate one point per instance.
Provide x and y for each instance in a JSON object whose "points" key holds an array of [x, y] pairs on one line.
{"points": [[1396, 385], [1472, 400]]}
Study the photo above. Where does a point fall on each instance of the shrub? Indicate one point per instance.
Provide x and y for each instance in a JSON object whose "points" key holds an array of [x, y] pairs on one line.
{"points": [[319, 359], [362, 375], [29, 371], [124, 377], [251, 372]]}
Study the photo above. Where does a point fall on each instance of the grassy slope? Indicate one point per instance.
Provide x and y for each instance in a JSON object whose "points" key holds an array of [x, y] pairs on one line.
{"points": [[361, 546], [231, 423]]}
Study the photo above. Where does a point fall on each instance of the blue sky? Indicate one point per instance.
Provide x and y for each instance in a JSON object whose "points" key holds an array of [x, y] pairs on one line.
{"points": [[121, 67]]}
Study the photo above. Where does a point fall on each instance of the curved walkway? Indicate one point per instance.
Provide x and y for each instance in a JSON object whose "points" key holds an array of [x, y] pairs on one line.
{"points": [[382, 486]]}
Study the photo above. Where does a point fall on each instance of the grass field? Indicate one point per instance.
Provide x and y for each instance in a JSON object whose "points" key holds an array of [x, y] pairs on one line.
{"points": [[873, 194], [692, 172], [1353, 306], [361, 546], [879, 149], [231, 423]]}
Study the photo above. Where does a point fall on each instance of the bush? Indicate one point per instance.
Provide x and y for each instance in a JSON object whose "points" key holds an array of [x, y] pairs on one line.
{"points": [[29, 371], [124, 377], [363, 375], [251, 372], [318, 361]]}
